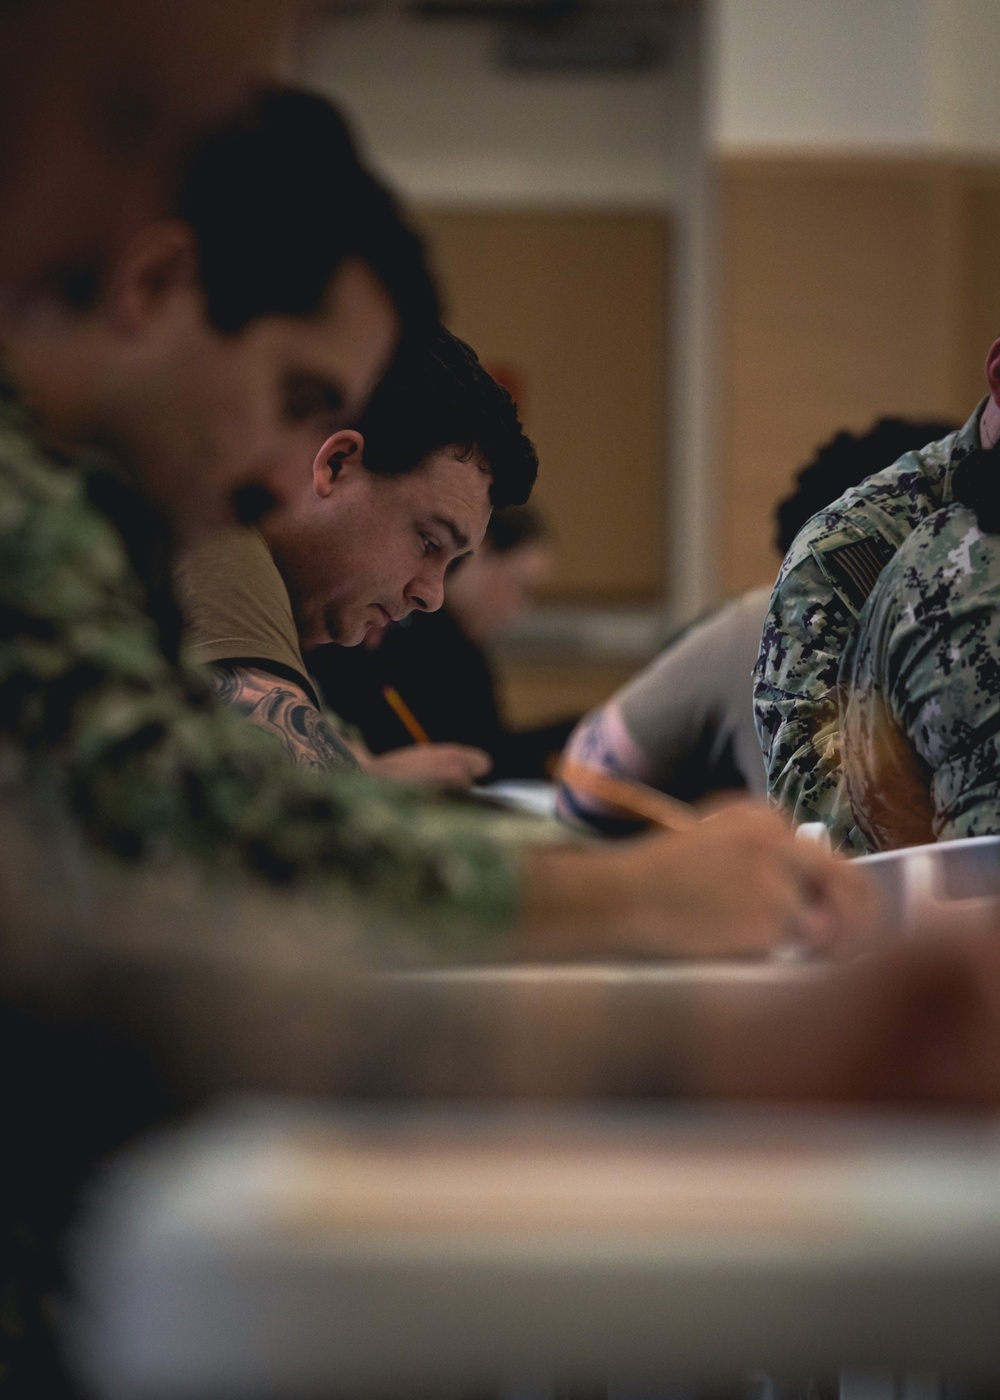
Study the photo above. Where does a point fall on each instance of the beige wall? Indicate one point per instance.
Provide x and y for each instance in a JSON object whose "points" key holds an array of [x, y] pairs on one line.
{"points": [[837, 273], [796, 73], [869, 75], [857, 272], [570, 308], [447, 123], [458, 134], [849, 288]]}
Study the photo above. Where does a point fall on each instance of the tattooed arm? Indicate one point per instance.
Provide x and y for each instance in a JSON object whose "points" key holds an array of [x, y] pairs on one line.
{"points": [[277, 704], [285, 710]]}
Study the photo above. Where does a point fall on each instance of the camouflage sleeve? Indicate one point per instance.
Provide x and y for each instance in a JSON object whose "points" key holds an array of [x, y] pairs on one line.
{"points": [[153, 765], [795, 689], [930, 643]]}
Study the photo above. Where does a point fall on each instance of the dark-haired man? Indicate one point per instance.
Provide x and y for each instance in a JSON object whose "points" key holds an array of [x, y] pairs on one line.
{"points": [[441, 661], [392, 504]]}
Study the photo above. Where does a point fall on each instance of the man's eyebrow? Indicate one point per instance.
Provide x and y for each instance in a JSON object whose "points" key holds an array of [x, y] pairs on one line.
{"points": [[461, 540]]}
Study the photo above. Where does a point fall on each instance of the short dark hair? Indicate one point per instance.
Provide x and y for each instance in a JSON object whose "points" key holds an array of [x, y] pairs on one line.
{"points": [[845, 461], [513, 527], [436, 394], [278, 198]]}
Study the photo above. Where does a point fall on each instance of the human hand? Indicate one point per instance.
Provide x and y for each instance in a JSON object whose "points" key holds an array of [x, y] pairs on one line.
{"points": [[436, 765], [739, 882], [916, 1022], [736, 883]]}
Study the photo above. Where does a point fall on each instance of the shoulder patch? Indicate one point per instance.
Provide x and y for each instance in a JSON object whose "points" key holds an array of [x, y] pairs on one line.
{"points": [[855, 567]]}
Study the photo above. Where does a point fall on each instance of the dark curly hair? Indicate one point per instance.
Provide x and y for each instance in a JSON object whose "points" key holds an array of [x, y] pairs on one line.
{"points": [[278, 198], [436, 394], [845, 461]]}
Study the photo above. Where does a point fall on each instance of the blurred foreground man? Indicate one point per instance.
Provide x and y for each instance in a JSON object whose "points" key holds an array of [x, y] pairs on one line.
{"points": [[130, 996], [227, 344], [202, 372], [97, 100]]}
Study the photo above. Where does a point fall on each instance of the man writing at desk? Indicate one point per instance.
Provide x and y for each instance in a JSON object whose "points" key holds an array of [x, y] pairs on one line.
{"points": [[391, 505]]}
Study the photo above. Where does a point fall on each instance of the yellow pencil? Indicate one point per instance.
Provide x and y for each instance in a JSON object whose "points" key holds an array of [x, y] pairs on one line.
{"points": [[407, 718], [628, 796]]}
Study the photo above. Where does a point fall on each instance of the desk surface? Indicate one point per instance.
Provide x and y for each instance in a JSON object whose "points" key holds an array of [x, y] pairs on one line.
{"points": [[301, 1252], [695, 972]]}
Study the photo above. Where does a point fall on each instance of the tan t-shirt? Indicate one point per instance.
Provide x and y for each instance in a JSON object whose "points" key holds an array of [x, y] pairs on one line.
{"points": [[235, 603]]}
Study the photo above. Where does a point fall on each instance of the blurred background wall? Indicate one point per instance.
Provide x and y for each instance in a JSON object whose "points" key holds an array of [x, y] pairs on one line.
{"points": [[857, 152], [695, 237]]}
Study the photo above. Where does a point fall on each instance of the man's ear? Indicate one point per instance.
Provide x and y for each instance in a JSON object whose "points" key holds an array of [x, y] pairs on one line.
{"points": [[345, 448], [159, 261], [993, 371]]}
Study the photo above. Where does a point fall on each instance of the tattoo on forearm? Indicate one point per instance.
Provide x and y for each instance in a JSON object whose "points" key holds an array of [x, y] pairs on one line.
{"points": [[284, 710]]}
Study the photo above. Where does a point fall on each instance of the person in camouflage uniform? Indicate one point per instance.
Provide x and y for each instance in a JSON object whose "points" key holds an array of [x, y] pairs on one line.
{"points": [[920, 679], [222, 351], [93, 700], [832, 635], [93, 697]]}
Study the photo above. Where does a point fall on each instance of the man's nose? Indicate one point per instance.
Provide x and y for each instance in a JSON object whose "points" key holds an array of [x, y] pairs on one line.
{"points": [[427, 591]]}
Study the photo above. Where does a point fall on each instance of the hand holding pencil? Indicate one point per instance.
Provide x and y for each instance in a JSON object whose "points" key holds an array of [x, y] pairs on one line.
{"points": [[405, 715], [437, 765]]}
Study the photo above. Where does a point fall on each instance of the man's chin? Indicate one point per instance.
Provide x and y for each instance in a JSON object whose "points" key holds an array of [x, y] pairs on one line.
{"points": [[348, 636]]}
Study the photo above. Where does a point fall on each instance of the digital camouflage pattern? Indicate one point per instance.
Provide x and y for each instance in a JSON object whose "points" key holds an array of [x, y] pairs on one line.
{"points": [[822, 589], [95, 704], [98, 715], [921, 684]]}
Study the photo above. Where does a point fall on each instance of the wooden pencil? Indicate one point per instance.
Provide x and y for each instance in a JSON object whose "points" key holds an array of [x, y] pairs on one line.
{"points": [[407, 718], [632, 798]]}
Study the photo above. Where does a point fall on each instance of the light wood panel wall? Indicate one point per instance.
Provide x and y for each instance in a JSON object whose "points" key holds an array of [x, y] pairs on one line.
{"points": [[571, 306], [538, 692], [849, 289]]}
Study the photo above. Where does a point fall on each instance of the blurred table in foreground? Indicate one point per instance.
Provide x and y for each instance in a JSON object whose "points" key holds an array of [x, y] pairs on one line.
{"points": [[286, 1251]]}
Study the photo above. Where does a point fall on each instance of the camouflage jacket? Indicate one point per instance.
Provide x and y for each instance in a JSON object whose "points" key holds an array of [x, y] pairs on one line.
{"points": [[920, 679], [95, 704], [825, 582]]}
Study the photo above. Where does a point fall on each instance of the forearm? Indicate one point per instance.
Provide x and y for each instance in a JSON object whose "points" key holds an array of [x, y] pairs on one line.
{"points": [[570, 899], [602, 741], [243, 990], [240, 989], [196, 781]]}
